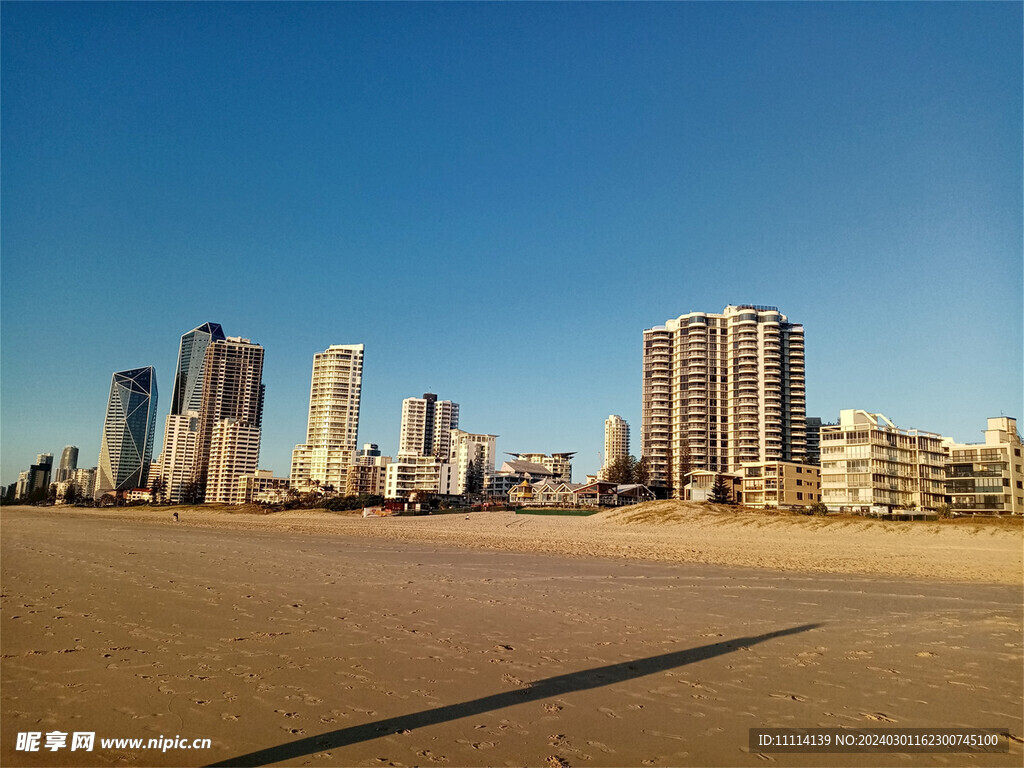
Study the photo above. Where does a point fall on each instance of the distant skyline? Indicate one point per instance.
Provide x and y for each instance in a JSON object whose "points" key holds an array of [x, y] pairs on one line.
{"points": [[497, 199]]}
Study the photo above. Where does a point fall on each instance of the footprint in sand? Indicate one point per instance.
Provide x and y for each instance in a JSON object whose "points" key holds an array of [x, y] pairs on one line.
{"points": [[878, 716]]}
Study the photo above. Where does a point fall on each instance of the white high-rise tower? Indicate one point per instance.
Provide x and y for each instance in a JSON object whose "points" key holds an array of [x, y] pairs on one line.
{"points": [[333, 425], [616, 440]]}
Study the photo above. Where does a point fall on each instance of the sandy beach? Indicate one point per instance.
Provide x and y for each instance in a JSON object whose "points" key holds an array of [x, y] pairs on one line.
{"points": [[652, 637]]}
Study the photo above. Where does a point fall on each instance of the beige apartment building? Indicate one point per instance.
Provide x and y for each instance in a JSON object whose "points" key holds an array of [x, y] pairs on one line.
{"points": [[230, 417], [367, 473], [333, 424], [868, 462], [780, 484], [721, 390], [987, 477]]}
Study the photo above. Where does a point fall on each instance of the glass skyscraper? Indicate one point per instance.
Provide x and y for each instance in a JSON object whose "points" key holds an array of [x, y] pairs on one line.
{"points": [[128, 431], [188, 379]]}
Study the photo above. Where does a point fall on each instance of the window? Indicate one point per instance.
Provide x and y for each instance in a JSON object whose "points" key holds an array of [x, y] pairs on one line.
{"points": [[799, 497]]}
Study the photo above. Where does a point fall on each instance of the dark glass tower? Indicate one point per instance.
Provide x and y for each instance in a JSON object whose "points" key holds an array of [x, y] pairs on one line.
{"points": [[128, 431], [188, 379]]}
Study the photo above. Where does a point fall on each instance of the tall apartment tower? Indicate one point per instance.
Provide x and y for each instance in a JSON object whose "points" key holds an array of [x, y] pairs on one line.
{"points": [[333, 424], [426, 426], [177, 465], [230, 416], [720, 390], [616, 440], [126, 448], [68, 463]]}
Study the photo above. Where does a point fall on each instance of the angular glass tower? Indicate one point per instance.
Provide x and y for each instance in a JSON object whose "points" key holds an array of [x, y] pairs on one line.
{"points": [[188, 379], [128, 430]]}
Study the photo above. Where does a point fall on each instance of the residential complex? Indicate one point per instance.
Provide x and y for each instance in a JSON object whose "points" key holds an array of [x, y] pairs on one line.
{"points": [[126, 447], [616, 440], [410, 474], [231, 415], [867, 462], [721, 390], [780, 484], [333, 425], [987, 477], [426, 426]]}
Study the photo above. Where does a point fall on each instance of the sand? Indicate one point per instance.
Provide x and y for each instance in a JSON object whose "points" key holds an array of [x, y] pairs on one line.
{"points": [[652, 637]]}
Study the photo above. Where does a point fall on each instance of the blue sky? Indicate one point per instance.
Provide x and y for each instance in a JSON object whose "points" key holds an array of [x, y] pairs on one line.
{"points": [[496, 199]]}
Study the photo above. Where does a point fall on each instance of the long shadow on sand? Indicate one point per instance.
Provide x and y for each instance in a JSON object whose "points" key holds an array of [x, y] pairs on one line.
{"points": [[542, 689]]}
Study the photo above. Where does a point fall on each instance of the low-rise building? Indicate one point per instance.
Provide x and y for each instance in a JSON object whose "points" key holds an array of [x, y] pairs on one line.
{"points": [[498, 484], [987, 477], [780, 484], [411, 474], [868, 462], [700, 485], [559, 464], [604, 494], [261, 487], [545, 493], [367, 474]]}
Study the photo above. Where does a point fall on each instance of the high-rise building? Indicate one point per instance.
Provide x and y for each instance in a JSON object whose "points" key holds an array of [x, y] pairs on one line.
{"points": [[333, 424], [126, 447], [231, 414], [188, 379], [39, 473], [720, 390], [68, 463], [616, 440], [814, 426], [177, 466], [426, 426]]}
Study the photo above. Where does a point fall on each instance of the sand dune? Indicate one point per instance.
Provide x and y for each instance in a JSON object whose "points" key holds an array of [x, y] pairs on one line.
{"points": [[671, 531]]}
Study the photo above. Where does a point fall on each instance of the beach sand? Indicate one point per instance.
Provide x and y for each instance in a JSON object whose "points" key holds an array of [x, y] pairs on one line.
{"points": [[652, 637]]}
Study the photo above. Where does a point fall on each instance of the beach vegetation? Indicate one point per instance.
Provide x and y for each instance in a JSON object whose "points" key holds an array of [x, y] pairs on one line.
{"points": [[626, 470], [721, 493]]}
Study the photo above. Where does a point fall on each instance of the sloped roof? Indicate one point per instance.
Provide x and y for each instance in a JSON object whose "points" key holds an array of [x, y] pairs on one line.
{"points": [[526, 467]]}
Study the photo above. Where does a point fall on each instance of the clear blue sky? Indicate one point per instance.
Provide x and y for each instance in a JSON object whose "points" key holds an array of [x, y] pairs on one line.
{"points": [[496, 199]]}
